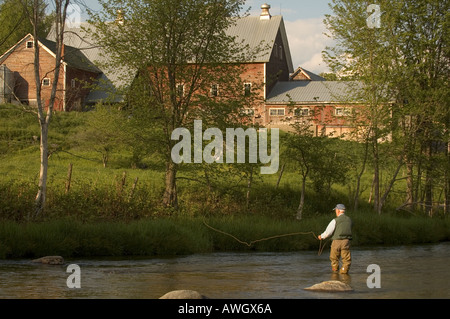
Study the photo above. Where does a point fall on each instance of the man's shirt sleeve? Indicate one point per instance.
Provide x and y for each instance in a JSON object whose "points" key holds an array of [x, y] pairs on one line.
{"points": [[330, 229]]}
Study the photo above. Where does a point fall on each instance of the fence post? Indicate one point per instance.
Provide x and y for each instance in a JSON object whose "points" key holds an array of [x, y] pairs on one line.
{"points": [[69, 178]]}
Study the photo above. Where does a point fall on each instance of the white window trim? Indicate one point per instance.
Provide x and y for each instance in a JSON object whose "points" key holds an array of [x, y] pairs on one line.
{"points": [[46, 79], [277, 109], [216, 89], [28, 43], [343, 111]]}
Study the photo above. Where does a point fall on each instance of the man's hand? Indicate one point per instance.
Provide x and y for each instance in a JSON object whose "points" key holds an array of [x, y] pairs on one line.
{"points": [[320, 238]]}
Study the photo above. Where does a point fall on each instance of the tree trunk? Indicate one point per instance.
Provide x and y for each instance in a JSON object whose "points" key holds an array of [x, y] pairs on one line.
{"points": [[410, 199], [105, 159], [376, 181], [69, 178], [447, 182], [391, 184], [44, 120], [302, 199], [361, 173], [42, 187], [429, 182], [280, 175], [249, 186], [170, 192]]}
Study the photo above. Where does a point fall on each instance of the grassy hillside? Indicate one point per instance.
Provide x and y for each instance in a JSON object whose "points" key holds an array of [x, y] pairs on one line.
{"points": [[116, 210], [98, 192]]}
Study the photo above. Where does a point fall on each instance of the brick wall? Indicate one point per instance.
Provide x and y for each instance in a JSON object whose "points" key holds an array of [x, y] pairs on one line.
{"points": [[21, 63], [327, 119], [78, 86]]}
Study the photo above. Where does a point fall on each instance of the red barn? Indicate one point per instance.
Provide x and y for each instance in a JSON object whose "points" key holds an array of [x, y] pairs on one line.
{"points": [[285, 96], [76, 73]]}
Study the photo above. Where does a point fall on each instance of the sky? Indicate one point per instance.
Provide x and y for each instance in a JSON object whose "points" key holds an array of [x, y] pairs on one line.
{"points": [[304, 27]]}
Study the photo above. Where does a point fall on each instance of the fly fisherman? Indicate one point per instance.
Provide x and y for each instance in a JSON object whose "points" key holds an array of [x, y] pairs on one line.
{"points": [[340, 230]]}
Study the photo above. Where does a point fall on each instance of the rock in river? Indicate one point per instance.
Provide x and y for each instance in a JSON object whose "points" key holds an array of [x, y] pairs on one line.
{"points": [[183, 294], [50, 260], [331, 286]]}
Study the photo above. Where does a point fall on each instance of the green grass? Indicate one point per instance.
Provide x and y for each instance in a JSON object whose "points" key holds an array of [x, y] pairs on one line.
{"points": [[180, 236], [100, 217], [372, 229]]}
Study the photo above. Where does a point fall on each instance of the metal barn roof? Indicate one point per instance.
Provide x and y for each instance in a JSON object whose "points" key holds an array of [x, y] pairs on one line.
{"points": [[313, 91]]}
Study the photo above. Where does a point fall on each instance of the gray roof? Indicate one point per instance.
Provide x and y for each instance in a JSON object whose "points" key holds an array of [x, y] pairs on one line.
{"points": [[313, 92], [73, 57], [79, 38], [110, 79], [254, 32]]}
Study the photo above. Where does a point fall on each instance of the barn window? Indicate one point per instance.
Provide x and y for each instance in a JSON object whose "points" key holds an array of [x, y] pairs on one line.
{"points": [[343, 111], [30, 44], [180, 89], [301, 111], [247, 89], [277, 112], [46, 82], [215, 90]]}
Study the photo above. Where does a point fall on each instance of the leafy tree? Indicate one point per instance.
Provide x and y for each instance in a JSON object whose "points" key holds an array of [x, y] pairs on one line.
{"points": [[104, 131], [423, 86], [45, 112], [329, 76], [15, 23], [316, 159], [403, 65], [176, 49]]}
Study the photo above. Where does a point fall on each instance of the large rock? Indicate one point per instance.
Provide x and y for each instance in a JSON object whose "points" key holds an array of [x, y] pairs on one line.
{"points": [[183, 294], [50, 260], [331, 286]]}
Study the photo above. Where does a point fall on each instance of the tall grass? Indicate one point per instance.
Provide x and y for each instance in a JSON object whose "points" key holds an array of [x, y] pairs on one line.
{"points": [[387, 229], [70, 237]]}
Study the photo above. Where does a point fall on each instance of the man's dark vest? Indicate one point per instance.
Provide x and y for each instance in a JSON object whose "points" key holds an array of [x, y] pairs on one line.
{"points": [[343, 228]]}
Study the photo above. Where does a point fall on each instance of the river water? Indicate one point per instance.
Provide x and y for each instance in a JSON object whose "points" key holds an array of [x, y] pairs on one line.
{"points": [[405, 272]]}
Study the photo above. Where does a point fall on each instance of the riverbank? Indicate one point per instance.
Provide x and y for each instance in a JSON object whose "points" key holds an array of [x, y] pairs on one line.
{"points": [[183, 236]]}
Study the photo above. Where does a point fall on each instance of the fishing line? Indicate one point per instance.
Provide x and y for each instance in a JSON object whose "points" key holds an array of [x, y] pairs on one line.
{"points": [[249, 244]]}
